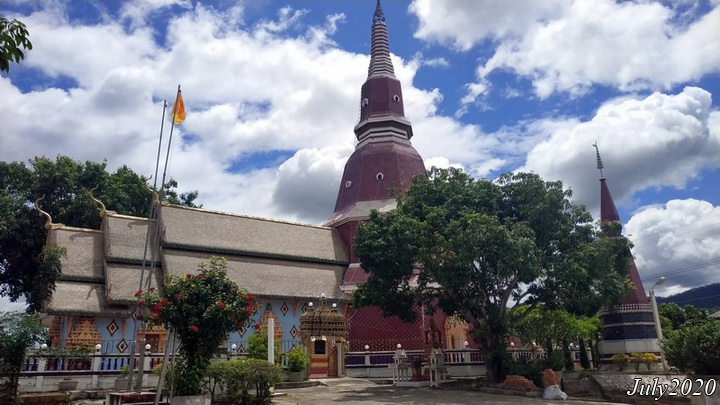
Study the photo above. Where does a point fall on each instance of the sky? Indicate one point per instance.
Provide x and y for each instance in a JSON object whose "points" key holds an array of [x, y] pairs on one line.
{"points": [[272, 93]]}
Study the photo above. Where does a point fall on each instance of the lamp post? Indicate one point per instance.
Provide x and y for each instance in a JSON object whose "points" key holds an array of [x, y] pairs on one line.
{"points": [[656, 317]]}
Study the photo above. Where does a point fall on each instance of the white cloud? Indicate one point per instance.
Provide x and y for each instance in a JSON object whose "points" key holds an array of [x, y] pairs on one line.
{"points": [[661, 140], [272, 85], [570, 46], [679, 240], [464, 23], [7, 306], [307, 183]]}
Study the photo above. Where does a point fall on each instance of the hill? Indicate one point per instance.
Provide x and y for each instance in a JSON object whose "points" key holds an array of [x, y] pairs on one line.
{"points": [[707, 296]]}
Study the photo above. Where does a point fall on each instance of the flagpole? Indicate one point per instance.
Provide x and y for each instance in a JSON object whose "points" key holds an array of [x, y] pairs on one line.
{"points": [[151, 214], [167, 155]]}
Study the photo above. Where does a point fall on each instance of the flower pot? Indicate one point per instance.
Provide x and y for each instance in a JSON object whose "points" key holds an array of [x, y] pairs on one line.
{"points": [[294, 376], [191, 400], [68, 385], [121, 383]]}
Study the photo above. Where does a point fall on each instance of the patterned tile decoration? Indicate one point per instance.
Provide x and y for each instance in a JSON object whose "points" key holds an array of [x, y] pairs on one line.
{"points": [[305, 307], [241, 349], [242, 331], [294, 332], [284, 308], [122, 346], [112, 327], [83, 333], [135, 314]]}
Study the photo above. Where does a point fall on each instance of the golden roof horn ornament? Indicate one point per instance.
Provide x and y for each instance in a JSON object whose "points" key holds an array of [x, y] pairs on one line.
{"points": [[48, 218], [98, 202], [156, 198]]}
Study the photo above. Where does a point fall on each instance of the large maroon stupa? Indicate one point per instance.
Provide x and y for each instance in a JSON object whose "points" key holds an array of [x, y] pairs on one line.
{"points": [[628, 327], [384, 160]]}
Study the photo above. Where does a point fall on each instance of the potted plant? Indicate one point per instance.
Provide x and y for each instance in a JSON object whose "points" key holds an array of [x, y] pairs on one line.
{"points": [[67, 358], [202, 308], [297, 362], [121, 382]]}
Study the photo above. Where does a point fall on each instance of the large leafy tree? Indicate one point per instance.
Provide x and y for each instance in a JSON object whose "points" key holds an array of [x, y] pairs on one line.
{"points": [[482, 248], [13, 36], [29, 269]]}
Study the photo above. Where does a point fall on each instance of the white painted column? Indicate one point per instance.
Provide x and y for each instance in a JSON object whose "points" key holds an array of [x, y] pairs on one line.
{"points": [[42, 365], [271, 340], [96, 362]]}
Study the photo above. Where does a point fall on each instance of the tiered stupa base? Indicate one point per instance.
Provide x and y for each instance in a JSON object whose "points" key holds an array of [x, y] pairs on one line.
{"points": [[627, 328]]}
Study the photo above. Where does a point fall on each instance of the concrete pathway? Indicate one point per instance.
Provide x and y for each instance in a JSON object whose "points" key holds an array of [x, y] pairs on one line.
{"points": [[351, 391]]}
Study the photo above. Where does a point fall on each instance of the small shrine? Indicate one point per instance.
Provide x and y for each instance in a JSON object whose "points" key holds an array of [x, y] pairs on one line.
{"points": [[322, 333]]}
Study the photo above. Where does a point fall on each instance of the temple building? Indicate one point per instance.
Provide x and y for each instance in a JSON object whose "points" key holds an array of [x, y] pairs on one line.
{"points": [[285, 265], [628, 327]]}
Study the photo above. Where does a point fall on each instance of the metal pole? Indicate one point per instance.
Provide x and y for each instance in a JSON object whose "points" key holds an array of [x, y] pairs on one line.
{"points": [[163, 370], [658, 327]]}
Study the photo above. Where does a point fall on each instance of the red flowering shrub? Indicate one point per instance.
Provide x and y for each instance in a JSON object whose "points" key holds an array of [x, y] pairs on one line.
{"points": [[208, 303]]}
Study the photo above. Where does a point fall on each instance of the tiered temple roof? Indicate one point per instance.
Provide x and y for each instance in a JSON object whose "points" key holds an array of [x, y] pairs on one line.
{"points": [[272, 259]]}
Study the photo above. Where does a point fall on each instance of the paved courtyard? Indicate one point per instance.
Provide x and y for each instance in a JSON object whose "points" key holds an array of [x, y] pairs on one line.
{"points": [[351, 391]]}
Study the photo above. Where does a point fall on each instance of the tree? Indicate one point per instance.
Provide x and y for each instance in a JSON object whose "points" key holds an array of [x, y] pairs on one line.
{"points": [[29, 268], [695, 347], [17, 333], [13, 36], [674, 317], [202, 310], [482, 248]]}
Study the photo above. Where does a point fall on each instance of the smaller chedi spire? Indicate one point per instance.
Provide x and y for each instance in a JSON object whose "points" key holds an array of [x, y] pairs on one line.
{"points": [[380, 63]]}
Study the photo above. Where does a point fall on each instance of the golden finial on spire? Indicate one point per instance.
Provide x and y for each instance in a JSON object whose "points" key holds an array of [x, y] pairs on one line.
{"points": [[599, 161], [98, 202], [48, 218], [156, 198]]}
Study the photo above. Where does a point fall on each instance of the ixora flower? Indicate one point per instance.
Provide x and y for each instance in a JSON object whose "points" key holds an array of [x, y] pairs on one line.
{"points": [[187, 314]]}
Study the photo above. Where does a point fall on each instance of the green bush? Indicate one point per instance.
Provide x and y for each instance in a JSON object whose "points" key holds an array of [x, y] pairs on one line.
{"points": [[533, 369], [648, 359], [257, 345], [17, 333], [243, 381], [694, 348], [621, 360], [297, 359]]}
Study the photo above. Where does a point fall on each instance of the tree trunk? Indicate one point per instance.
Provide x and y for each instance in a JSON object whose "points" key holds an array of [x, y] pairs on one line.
{"points": [[584, 360], [548, 347], [595, 353], [567, 356]]}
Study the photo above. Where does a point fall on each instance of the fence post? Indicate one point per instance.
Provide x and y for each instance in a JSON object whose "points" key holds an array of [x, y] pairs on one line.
{"points": [[146, 366], [95, 366], [42, 364]]}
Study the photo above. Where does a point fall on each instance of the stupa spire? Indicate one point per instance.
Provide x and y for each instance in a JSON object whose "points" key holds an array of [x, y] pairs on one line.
{"points": [[608, 211], [380, 63], [599, 161]]}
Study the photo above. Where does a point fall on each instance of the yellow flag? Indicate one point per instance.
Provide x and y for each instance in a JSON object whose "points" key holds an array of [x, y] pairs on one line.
{"points": [[178, 110]]}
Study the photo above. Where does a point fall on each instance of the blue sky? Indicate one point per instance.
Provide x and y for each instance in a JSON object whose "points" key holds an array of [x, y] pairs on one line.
{"points": [[272, 93]]}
